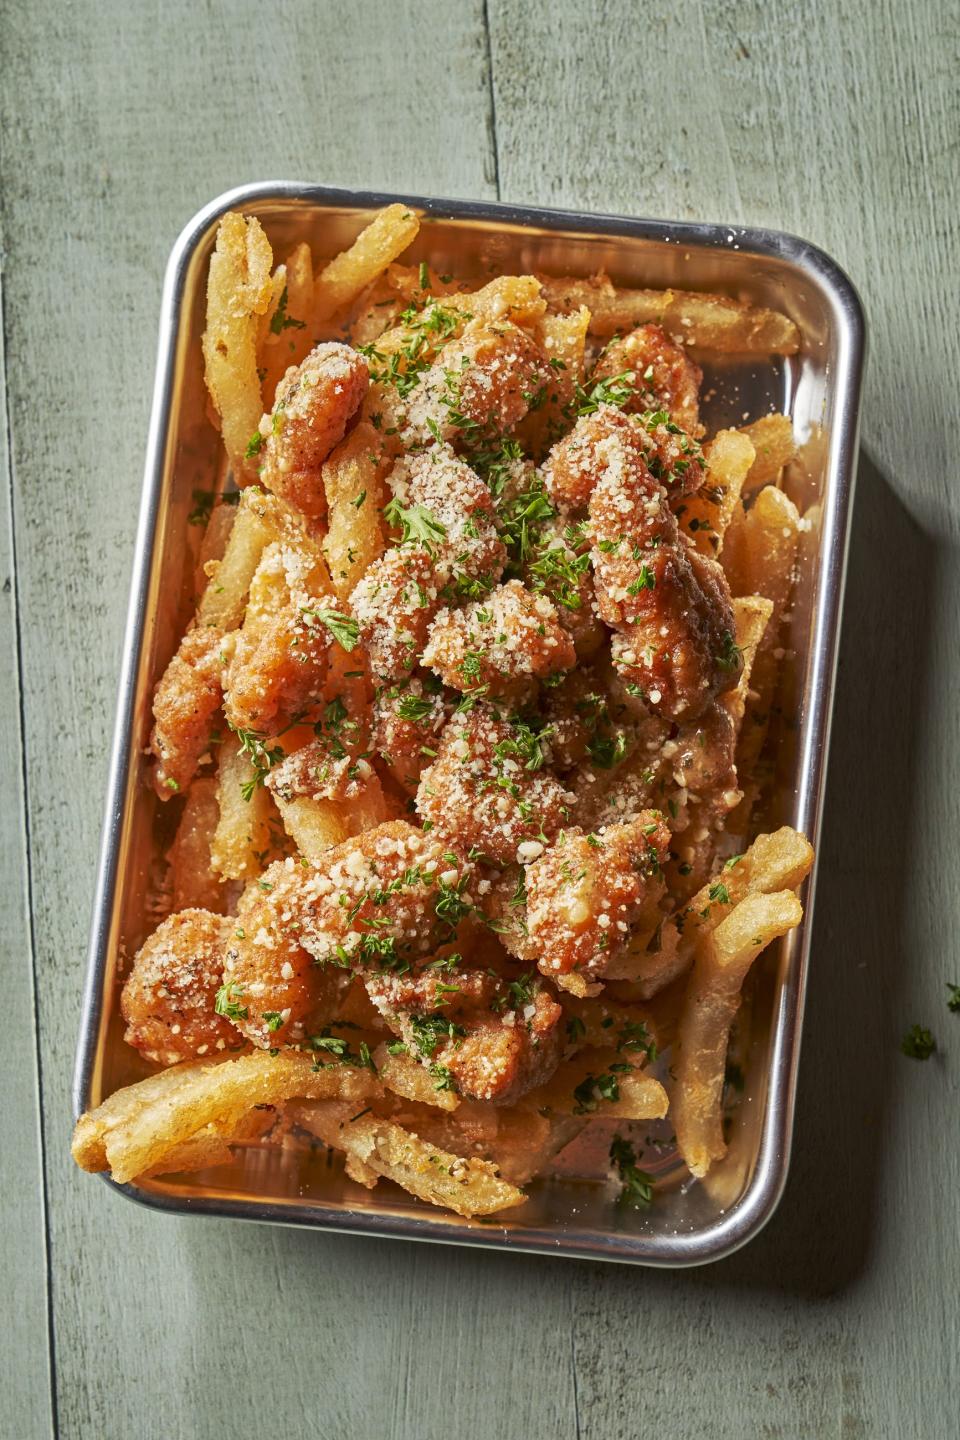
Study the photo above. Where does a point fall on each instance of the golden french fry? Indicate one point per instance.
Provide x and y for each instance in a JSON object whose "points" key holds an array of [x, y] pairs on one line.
{"points": [[710, 322], [704, 516], [353, 478], [285, 335], [193, 883], [604, 1023], [761, 553], [751, 614], [242, 837], [761, 546], [776, 862], [223, 601], [341, 281], [404, 1076], [772, 438], [713, 993], [594, 1082], [141, 1127], [216, 533], [466, 1186], [650, 969], [238, 294], [213, 1145]]}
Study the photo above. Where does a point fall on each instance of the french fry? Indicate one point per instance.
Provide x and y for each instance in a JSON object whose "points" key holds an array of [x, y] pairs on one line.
{"points": [[649, 970], [514, 298], [223, 601], [751, 615], [193, 883], [705, 515], [604, 1023], [761, 546], [242, 835], [213, 1145], [772, 439], [238, 294], [139, 1128], [776, 862], [723, 959], [594, 1082], [467, 1186], [285, 337], [342, 280], [353, 478], [404, 1076], [710, 322], [215, 536]]}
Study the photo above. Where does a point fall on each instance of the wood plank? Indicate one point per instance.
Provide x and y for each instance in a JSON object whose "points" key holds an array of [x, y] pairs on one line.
{"points": [[838, 122], [823, 119], [118, 122], [25, 1351]]}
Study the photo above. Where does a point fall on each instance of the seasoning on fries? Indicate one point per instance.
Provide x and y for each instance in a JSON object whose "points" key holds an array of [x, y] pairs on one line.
{"points": [[466, 729]]}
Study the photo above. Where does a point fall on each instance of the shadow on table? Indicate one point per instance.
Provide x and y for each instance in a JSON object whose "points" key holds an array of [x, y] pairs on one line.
{"points": [[820, 1239]]}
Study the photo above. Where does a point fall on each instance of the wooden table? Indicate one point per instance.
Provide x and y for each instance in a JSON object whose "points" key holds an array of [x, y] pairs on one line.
{"points": [[837, 120]]}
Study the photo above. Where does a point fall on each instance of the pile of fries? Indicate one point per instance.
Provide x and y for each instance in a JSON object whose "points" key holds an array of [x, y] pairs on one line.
{"points": [[467, 731]]}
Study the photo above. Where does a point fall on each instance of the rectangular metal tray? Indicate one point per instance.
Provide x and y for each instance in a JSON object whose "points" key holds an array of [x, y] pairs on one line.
{"points": [[574, 1214]]}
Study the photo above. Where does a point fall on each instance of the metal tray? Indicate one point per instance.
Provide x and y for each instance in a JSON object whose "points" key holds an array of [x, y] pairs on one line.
{"points": [[574, 1213]]}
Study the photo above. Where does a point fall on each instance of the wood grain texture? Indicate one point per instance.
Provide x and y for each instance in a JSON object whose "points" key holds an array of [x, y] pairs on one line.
{"points": [[838, 122], [24, 1347], [832, 119]]}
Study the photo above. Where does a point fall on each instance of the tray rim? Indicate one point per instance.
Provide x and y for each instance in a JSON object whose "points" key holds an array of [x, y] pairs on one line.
{"points": [[733, 1228]]}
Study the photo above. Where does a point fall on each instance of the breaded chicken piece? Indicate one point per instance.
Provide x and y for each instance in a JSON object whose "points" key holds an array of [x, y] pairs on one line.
{"points": [[479, 1033], [576, 463], [170, 995], [587, 890], [670, 604], [480, 386], [487, 791], [500, 645], [281, 675], [408, 721], [448, 545], [559, 567], [659, 372], [276, 993], [315, 402], [185, 703]]}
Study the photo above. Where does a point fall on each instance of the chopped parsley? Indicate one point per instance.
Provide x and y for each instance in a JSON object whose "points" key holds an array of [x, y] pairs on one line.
{"points": [[612, 390], [418, 526], [431, 1031], [918, 1043], [280, 320], [730, 656], [644, 581], [227, 1004], [262, 758], [636, 1184], [343, 628], [594, 1088]]}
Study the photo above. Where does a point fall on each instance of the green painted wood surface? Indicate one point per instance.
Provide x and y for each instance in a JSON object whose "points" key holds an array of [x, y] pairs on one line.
{"points": [[837, 120]]}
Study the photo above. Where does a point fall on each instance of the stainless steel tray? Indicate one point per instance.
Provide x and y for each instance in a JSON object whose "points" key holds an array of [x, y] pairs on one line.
{"points": [[574, 1213]]}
